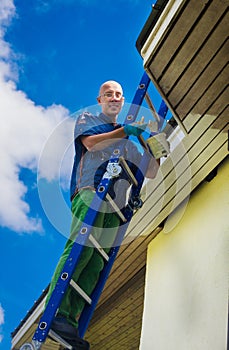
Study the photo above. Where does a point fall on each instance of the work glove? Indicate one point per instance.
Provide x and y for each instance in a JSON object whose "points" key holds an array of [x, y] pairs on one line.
{"points": [[135, 129]]}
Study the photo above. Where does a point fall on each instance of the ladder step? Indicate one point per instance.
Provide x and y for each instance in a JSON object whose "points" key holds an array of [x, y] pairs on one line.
{"points": [[98, 247], [81, 292], [143, 143], [152, 108], [116, 208], [128, 170], [59, 340]]}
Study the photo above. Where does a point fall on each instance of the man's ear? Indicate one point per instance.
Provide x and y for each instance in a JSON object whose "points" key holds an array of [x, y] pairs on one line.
{"points": [[98, 99]]}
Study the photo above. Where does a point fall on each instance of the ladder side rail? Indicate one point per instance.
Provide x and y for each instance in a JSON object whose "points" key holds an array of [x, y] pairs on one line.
{"points": [[140, 175], [137, 100], [140, 93], [163, 110], [56, 297]]}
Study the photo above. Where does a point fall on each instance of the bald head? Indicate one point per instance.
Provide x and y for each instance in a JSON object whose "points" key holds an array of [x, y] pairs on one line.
{"points": [[110, 84]]}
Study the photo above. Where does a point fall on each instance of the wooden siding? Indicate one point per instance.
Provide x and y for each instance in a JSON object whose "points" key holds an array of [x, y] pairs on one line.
{"points": [[190, 63]]}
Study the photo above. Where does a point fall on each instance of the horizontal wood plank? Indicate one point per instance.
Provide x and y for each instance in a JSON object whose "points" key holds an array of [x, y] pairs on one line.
{"points": [[171, 42]]}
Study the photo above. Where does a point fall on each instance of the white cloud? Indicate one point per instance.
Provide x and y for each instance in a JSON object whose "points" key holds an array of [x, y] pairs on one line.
{"points": [[7, 11], [1, 321], [24, 129]]}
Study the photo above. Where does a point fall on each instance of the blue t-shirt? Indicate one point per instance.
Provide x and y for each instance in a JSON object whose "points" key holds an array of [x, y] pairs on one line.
{"points": [[89, 167]]}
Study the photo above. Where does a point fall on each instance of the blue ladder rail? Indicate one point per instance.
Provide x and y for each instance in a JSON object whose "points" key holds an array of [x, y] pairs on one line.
{"points": [[64, 280]]}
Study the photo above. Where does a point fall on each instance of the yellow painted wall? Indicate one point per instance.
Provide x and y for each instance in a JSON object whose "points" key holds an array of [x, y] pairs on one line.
{"points": [[186, 293]]}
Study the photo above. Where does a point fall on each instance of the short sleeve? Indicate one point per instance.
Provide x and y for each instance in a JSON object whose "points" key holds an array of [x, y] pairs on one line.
{"points": [[86, 124]]}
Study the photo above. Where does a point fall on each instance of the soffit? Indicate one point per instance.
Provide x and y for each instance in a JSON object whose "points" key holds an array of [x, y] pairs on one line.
{"points": [[186, 55]]}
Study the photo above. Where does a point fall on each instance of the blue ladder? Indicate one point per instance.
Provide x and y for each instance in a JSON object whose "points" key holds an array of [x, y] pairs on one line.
{"points": [[116, 162]]}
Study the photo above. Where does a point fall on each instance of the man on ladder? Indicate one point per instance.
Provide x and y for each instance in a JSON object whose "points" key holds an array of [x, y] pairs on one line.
{"points": [[95, 140]]}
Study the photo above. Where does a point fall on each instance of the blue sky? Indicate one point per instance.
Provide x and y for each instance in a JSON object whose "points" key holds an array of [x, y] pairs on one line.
{"points": [[54, 55]]}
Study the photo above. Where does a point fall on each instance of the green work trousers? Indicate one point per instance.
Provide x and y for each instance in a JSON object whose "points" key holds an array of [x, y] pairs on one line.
{"points": [[91, 262]]}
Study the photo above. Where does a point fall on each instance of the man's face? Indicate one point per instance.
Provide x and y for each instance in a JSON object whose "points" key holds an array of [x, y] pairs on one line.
{"points": [[111, 99]]}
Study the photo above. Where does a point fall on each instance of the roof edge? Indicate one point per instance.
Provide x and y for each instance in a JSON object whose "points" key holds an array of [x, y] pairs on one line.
{"points": [[157, 9]]}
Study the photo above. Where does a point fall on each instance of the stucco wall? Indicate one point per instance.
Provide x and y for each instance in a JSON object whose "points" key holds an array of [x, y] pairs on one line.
{"points": [[186, 293]]}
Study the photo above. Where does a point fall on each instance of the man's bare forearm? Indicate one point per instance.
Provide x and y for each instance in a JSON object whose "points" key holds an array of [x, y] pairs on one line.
{"points": [[101, 141]]}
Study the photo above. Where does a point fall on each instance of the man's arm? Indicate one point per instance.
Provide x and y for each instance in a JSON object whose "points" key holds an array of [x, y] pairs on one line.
{"points": [[100, 141]]}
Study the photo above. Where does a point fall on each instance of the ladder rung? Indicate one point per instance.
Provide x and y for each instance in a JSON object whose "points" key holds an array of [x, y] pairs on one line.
{"points": [[81, 292], [98, 247], [128, 170], [116, 208], [143, 143], [59, 340], [151, 106]]}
